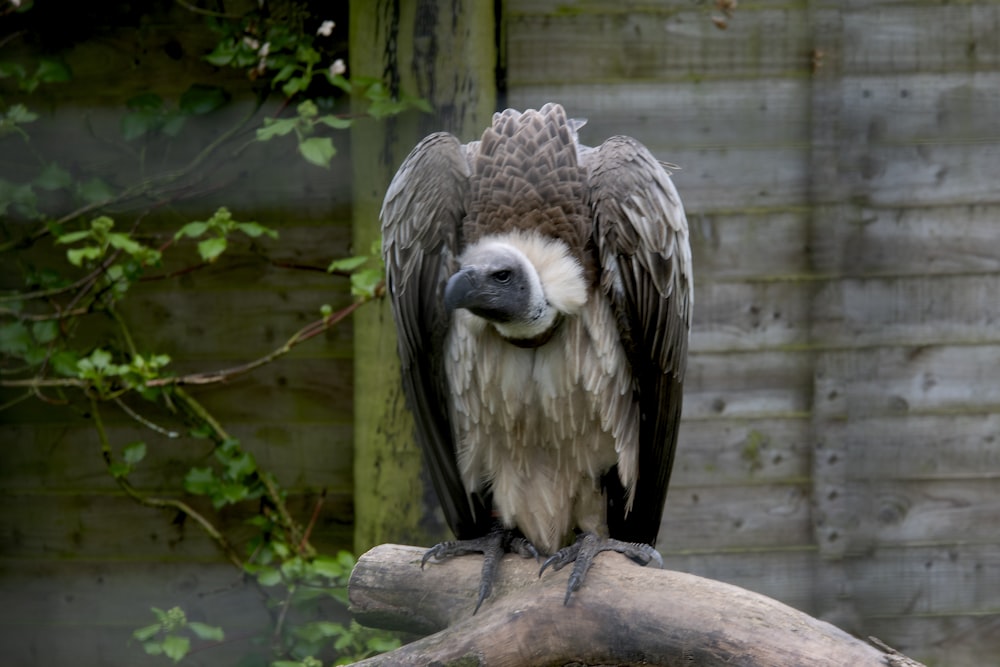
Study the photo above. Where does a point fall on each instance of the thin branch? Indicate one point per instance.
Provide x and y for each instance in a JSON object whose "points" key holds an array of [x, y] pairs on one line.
{"points": [[55, 291], [17, 399], [129, 343], [29, 317], [312, 522], [273, 493], [305, 333], [135, 191], [39, 382], [159, 503], [199, 411], [145, 422]]}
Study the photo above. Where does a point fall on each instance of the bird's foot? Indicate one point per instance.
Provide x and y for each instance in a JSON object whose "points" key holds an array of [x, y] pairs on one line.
{"points": [[493, 546], [581, 553]]}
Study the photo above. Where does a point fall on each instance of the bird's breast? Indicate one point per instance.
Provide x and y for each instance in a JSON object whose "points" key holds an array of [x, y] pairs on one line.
{"points": [[540, 426]]}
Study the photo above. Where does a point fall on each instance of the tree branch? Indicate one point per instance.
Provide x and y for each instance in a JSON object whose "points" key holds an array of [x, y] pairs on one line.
{"points": [[159, 503], [623, 615]]}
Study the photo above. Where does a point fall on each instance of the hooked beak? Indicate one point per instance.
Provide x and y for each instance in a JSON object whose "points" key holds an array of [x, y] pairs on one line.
{"points": [[460, 286]]}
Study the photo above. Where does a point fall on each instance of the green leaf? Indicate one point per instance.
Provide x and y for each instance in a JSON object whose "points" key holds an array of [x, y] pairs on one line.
{"points": [[340, 82], [200, 99], [227, 493], [382, 644], [65, 363], [137, 123], [153, 648], [210, 249], [125, 243], [176, 647], [318, 150], [347, 264], [100, 359], [146, 633], [222, 55], [173, 124], [307, 109], [317, 631], [22, 197], [346, 560], [102, 225], [134, 453], [201, 431], [284, 73], [52, 70], [336, 122], [12, 69], [45, 331], [19, 113], [15, 339], [77, 255], [330, 568], [239, 466], [118, 469], [53, 177], [276, 127], [95, 191], [200, 481], [253, 229], [268, 576], [207, 632], [295, 85], [364, 282], [73, 237], [381, 108], [192, 230]]}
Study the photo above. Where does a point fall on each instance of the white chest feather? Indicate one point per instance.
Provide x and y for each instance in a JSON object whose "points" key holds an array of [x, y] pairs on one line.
{"points": [[539, 427]]}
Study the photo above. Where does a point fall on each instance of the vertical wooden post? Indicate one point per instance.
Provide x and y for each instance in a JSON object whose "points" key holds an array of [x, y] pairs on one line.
{"points": [[446, 53]]}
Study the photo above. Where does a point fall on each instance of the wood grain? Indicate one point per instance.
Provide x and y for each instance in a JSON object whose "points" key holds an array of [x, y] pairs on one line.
{"points": [[617, 617]]}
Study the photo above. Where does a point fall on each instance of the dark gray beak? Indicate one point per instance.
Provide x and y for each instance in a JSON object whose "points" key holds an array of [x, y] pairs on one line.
{"points": [[458, 289]]}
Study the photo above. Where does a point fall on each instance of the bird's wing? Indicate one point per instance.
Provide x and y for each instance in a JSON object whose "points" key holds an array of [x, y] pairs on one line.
{"points": [[421, 227], [641, 238]]}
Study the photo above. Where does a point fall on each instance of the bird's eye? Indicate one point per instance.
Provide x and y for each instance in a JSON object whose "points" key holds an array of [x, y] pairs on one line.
{"points": [[502, 277]]}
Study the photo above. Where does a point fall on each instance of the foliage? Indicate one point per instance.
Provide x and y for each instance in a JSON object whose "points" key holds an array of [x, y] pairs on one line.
{"points": [[366, 271], [64, 337], [169, 635]]}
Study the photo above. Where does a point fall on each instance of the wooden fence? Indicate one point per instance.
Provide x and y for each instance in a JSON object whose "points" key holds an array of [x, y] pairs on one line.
{"points": [[839, 449]]}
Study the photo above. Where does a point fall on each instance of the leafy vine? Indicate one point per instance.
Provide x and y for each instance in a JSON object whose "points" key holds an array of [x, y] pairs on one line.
{"points": [[94, 238]]}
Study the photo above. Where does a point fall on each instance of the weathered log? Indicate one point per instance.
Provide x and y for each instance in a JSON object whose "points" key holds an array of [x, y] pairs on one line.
{"points": [[623, 615]]}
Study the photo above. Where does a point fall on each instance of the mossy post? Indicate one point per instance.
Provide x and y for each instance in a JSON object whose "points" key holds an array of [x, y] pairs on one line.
{"points": [[445, 53]]}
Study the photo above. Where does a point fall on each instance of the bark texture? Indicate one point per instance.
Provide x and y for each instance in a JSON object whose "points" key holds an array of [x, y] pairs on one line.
{"points": [[623, 615]]}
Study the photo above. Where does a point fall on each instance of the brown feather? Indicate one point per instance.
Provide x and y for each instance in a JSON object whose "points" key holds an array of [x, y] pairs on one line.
{"points": [[578, 432]]}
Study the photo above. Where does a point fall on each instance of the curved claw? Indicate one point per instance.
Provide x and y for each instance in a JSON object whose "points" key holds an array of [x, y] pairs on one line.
{"points": [[548, 561], [582, 552], [524, 548], [563, 557], [427, 556], [493, 546]]}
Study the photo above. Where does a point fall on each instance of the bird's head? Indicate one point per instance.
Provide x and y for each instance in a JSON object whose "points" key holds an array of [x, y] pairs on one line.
{"points": [[497, 282]]}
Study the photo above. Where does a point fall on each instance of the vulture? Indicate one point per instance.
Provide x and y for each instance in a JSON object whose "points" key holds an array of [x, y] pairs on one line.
{"points": [[542, 291]]}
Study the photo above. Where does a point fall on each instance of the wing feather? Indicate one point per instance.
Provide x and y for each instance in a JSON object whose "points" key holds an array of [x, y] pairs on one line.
{"points": [[641, 238], [421, 226]]}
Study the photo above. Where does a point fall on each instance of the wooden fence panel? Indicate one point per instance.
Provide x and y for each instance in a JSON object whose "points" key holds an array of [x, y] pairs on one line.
{"points": [[838, 166]]}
